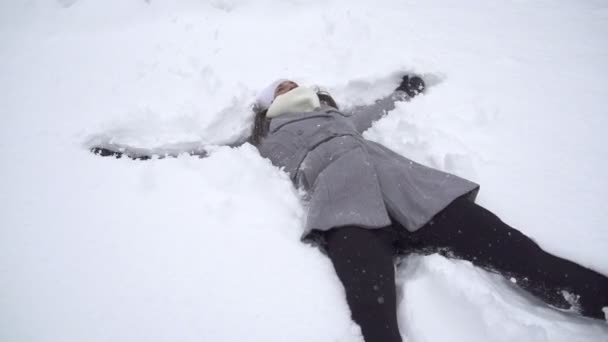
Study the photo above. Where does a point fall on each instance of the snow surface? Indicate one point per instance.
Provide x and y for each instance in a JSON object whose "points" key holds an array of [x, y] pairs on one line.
{"points": [[188, 249]]}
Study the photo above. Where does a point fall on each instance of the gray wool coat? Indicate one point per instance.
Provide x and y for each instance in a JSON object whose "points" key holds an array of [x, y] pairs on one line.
{"points": [[353, 181]]}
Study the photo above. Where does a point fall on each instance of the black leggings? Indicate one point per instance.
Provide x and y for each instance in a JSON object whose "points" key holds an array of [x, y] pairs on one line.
{"points": [[364, 262]]}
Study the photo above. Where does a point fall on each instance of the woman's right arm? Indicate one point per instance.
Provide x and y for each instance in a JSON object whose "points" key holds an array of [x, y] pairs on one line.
{"points": [[105, 146], [116, 150]]}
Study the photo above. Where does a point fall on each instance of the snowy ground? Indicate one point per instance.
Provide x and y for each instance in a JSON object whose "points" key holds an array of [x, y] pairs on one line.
{"points": [[94, 249]]}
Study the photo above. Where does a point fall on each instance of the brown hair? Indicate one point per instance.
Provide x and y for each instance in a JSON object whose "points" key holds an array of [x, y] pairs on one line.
{"points": [[260, 126], [325, 98]]}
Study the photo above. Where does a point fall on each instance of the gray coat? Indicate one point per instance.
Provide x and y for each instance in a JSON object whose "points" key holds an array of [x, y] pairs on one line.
{"points": [[353, 181]]}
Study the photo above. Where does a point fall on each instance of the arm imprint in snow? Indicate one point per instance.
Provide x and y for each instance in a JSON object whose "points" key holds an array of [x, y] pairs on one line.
{"points": [[363, 117]]}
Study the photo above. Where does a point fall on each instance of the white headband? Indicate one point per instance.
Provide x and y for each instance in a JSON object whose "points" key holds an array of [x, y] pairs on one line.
{"points": [[266, 96]]}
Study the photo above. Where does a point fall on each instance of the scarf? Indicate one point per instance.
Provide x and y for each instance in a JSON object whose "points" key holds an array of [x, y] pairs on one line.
{"points": [[300, 99]]}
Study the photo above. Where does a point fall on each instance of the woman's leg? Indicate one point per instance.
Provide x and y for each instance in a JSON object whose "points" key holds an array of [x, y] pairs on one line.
{"points": [[473, 233], [363, 260]]}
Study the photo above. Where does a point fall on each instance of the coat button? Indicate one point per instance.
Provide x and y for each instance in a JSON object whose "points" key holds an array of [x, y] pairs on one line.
{"points": [[300, 132]]}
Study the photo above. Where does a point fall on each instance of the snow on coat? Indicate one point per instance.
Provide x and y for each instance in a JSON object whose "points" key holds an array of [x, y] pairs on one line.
{"points": [[352, 181]]}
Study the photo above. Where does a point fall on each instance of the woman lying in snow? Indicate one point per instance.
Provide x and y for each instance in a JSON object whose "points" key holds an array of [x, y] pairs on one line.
{"points": [[368, 205]]}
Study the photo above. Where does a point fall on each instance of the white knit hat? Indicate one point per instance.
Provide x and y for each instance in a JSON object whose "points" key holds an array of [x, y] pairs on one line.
{"points": [[266, 96]]}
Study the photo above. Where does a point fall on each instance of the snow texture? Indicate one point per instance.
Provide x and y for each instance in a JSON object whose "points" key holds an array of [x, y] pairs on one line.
{"points": [[188, 249]]}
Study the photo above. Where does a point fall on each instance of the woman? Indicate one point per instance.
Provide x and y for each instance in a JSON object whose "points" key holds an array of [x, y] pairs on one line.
{"points": [[367, 204]]}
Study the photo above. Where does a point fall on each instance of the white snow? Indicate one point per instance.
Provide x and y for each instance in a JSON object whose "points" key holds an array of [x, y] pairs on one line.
{"points": [[189, 249]]}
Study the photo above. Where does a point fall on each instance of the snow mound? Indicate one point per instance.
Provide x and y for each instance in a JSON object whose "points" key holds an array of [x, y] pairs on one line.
{"points": [[189, 249]]}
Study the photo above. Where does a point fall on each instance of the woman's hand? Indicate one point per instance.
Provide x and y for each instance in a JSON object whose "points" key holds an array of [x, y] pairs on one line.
{"points": [[411, 85]]}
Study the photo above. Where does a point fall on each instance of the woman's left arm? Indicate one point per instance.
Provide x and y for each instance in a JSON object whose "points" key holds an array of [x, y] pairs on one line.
{"points": [[364, 116]]}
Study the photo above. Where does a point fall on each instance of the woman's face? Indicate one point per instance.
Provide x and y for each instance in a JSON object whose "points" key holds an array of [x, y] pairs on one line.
{"points": [[284, 87]]}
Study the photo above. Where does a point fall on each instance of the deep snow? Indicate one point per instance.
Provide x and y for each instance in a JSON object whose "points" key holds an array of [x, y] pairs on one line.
{"points": [[188, 249]]}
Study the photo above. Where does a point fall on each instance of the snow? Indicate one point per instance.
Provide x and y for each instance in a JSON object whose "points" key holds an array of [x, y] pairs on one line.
{"points": [[189, 249]]}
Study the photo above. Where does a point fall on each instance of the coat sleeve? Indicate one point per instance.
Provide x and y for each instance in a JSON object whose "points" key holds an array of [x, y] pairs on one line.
{"points": [[364, 116], [105, 147], [116, 150]]}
